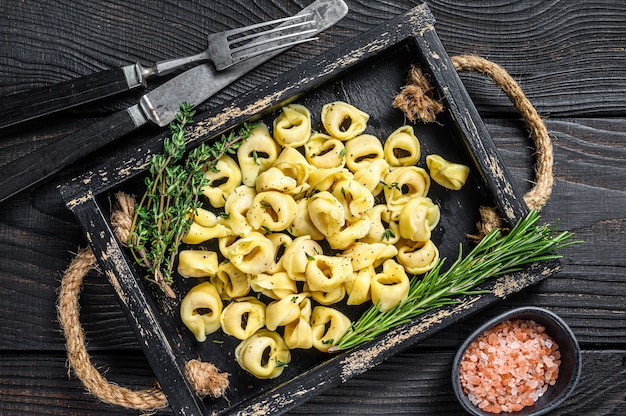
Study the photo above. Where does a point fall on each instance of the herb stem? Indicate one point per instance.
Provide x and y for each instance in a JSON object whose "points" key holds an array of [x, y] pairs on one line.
{"points": [[495, 255], [165, 212]]}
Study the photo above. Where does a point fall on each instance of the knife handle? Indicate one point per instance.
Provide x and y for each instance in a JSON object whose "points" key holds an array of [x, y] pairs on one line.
{"points": [[34, 167], [31, 104]]}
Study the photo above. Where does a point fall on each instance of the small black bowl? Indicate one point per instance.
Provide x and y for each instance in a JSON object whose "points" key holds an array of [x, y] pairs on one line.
{"points": [[569, 369]]}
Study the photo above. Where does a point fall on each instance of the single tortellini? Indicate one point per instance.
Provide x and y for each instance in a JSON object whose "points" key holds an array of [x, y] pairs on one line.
{"points": [[372, 175], [325, 179], [223, 179], [390, 286], [243, 317], [353, 231], [280, 241], [403, 183], [257, 154], [382, 230], [328, 326], [252, 254], [418, 218], [358, 286], [297, 255], [292, 128], [402, 148], [363, 255], [363, 150], [294, 165], [302, 224], [323, 151], [447, 174], [327, 297], [274, 179], [284, 311], [326, 213], [355, 198], [275, 286], [264, 355], [298, 334], [272, 211], [197, 263], [224, 243], [324, 273], [418, 257], [205, 226], [231, 282], [343, 121], [237, 205], [200, 310]]}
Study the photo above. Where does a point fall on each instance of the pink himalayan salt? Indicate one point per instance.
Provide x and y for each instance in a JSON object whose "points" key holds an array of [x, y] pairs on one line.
{"points": [[509, 366]]}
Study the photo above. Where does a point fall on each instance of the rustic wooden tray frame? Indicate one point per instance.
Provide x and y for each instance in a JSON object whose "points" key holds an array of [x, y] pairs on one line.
{"points": [[390, 48]]}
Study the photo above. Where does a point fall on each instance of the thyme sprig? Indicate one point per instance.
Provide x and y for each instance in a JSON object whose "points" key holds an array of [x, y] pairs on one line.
{"points": [[173, 188], [495, 255]]}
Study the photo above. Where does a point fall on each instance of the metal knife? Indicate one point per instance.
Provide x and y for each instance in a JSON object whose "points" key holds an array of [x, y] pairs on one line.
{"points": [[159, 106]]}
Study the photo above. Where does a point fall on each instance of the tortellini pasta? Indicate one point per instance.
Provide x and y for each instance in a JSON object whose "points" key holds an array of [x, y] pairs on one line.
{"points": [[328, 326], [297, 256], [257, 154], [252, 254], [292, 127], [309, 219], [243, 317], [343, 121], [447, 174], [274, 286], [197, 263], [417, 218], [284, 311], [298, 333], [324, 273], [418, 257], [323, 151], [231, 282], [403, 183], [223, 179], [272, 211], [205, 226], [200, 310], [264, 354], [402, 148], [363, 150], [389, 287]]}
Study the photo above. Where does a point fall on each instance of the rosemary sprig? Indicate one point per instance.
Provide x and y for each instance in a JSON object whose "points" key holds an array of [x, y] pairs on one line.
{"points": [[165, 211], [493, 256]]}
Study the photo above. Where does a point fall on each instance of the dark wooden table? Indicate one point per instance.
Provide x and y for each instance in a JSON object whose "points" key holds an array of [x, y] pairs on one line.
{"points": [[569, 56]]}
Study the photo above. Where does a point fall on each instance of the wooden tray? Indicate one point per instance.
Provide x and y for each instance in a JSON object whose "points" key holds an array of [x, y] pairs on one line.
{"points": [[368, 72]]}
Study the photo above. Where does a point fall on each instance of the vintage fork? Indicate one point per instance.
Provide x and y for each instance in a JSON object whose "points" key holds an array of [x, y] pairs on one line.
{"points": [[224, 50], [231, 46]]}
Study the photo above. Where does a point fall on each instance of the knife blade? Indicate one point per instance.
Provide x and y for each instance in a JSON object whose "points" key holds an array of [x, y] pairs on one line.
{"points": [[158, 106]]}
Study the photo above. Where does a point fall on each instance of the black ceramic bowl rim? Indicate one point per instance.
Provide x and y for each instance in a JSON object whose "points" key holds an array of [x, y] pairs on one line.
{"points": [[569, 370]]}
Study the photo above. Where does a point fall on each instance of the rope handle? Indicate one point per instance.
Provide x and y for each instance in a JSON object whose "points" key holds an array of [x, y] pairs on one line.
{"points": [[418, 102]]}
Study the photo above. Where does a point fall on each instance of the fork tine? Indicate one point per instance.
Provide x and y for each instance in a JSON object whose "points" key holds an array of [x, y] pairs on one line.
{"points": [[273, 39], [273, 30], [236, 31], [255, 52]]}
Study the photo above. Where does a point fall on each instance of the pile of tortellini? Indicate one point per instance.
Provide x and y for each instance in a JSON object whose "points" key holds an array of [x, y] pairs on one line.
{"points": [[309, 219]]}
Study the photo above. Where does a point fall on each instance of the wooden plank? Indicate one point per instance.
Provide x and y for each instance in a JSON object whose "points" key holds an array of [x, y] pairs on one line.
{"points": [[32, 385], [566, 56]]}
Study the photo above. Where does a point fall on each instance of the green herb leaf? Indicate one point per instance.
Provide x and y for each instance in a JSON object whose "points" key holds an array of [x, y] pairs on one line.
{"points": [[165, 212]]}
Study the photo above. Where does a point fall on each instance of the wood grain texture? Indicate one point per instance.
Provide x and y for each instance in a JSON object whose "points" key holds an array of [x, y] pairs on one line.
{"points": [[568, 56]]}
